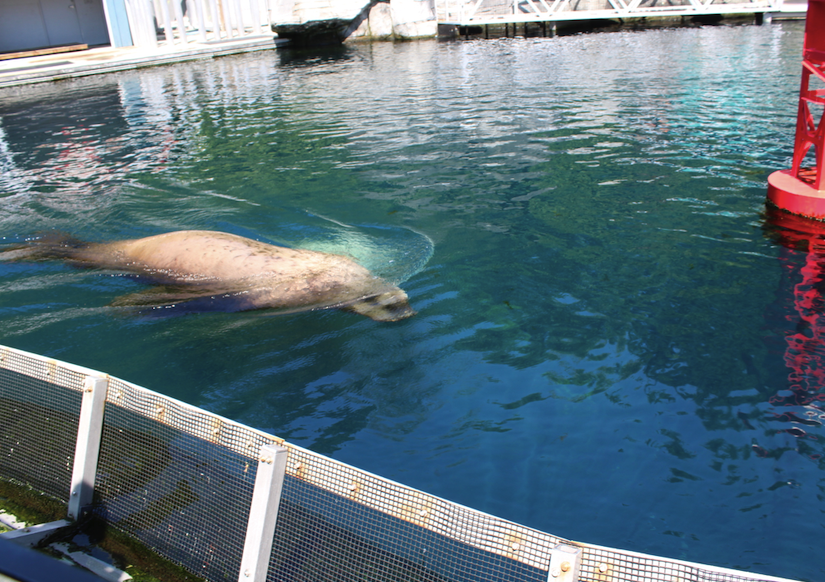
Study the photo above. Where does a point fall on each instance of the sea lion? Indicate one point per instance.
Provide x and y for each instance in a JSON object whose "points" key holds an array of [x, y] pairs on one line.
{"points": [[221, 271]]}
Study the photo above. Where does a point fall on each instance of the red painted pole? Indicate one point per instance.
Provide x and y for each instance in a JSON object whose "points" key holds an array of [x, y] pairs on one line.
{"points": [[801, 190]]}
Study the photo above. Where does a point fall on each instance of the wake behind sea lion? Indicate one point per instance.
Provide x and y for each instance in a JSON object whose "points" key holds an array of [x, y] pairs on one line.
{"points": [[231, 272]]}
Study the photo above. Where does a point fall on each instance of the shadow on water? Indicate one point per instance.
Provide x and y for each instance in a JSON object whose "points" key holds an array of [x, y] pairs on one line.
{"points": [[296, 57]]}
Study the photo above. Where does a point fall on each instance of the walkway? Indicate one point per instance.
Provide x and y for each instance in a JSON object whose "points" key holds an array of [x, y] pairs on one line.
{"points": [[487, 12], [56, 67]]}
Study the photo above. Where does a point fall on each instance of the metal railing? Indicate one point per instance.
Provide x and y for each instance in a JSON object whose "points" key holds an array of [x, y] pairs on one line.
{"points": [[195, 20], [228, 502], [479, 12]]}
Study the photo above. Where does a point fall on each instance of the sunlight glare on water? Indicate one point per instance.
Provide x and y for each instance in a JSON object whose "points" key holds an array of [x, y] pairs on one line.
{"points": [[615, 343]]}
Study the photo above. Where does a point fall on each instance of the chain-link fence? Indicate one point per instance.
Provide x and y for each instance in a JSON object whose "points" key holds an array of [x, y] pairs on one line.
{"points": [[197, 488]]}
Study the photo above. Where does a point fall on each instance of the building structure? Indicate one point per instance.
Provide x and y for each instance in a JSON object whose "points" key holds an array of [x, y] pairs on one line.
{"points": [[40, 25], [62, 25]]}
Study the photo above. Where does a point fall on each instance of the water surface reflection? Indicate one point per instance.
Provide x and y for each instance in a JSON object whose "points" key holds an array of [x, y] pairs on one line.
{"points": [[608, 346], [797, 408]]}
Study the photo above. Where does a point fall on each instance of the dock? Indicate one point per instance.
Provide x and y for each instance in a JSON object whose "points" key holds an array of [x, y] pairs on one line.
{"points": [[504, 12], [206, 34], [56, 66]]}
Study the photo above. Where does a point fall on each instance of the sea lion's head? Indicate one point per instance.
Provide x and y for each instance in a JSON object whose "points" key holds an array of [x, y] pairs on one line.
{"points": [[391, 305]]}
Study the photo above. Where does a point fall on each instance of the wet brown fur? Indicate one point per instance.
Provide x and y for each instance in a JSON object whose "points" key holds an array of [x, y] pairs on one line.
{"points": [[242, 273]]}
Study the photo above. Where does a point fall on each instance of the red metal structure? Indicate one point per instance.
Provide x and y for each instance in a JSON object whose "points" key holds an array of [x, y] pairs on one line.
{"points": [[802, 190]]}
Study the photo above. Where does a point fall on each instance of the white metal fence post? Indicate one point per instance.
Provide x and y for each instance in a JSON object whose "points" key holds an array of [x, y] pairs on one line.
{"points": [[177, 11], [167, 23], [87, 449], [214, 11], [263, 513], [198, 6]]}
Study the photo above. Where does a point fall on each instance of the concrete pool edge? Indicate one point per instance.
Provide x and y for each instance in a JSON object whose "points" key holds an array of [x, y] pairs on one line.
{"points": [[95, 61]]}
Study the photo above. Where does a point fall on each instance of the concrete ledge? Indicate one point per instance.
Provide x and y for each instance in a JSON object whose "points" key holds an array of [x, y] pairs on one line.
{"points": [[31, 535], [26, 71], [20, 563]]}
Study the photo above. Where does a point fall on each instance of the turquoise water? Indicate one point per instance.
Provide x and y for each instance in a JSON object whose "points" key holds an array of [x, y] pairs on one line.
{"points": [[614, 342]]}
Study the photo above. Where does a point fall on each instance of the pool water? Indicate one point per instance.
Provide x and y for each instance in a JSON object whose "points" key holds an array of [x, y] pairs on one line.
{"points": [[615, 342]]}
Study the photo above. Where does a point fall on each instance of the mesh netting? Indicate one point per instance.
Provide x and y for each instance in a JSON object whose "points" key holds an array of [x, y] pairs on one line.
{"points": [[181, 480], [339, 523], [39, 410], [177, 478]]}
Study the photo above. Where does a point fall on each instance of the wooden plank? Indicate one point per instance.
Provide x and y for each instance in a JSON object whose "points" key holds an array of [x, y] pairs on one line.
{"points": [[44, 51]]}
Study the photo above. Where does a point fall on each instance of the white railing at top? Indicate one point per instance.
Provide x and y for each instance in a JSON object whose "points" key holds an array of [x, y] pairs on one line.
{"points": [[465, 12], [195, 20]]}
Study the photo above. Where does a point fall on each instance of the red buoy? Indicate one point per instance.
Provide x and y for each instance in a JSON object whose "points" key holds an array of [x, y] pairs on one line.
{"points": [[802, 190]]}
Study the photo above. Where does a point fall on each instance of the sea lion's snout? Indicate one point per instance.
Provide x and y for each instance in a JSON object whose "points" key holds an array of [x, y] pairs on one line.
{"points": [[391, 305]]}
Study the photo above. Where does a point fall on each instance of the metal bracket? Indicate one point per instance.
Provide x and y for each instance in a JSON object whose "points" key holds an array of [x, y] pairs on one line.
{"points": [[94, 565], [565, 563], [31, 535]]}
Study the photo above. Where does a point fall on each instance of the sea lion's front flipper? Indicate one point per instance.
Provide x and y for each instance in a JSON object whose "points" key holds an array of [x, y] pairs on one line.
{"points": [[185, 299], [391, 305]]}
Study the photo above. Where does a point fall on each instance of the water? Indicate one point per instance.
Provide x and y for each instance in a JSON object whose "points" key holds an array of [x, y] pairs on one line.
{"points": [[614, 342]]}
